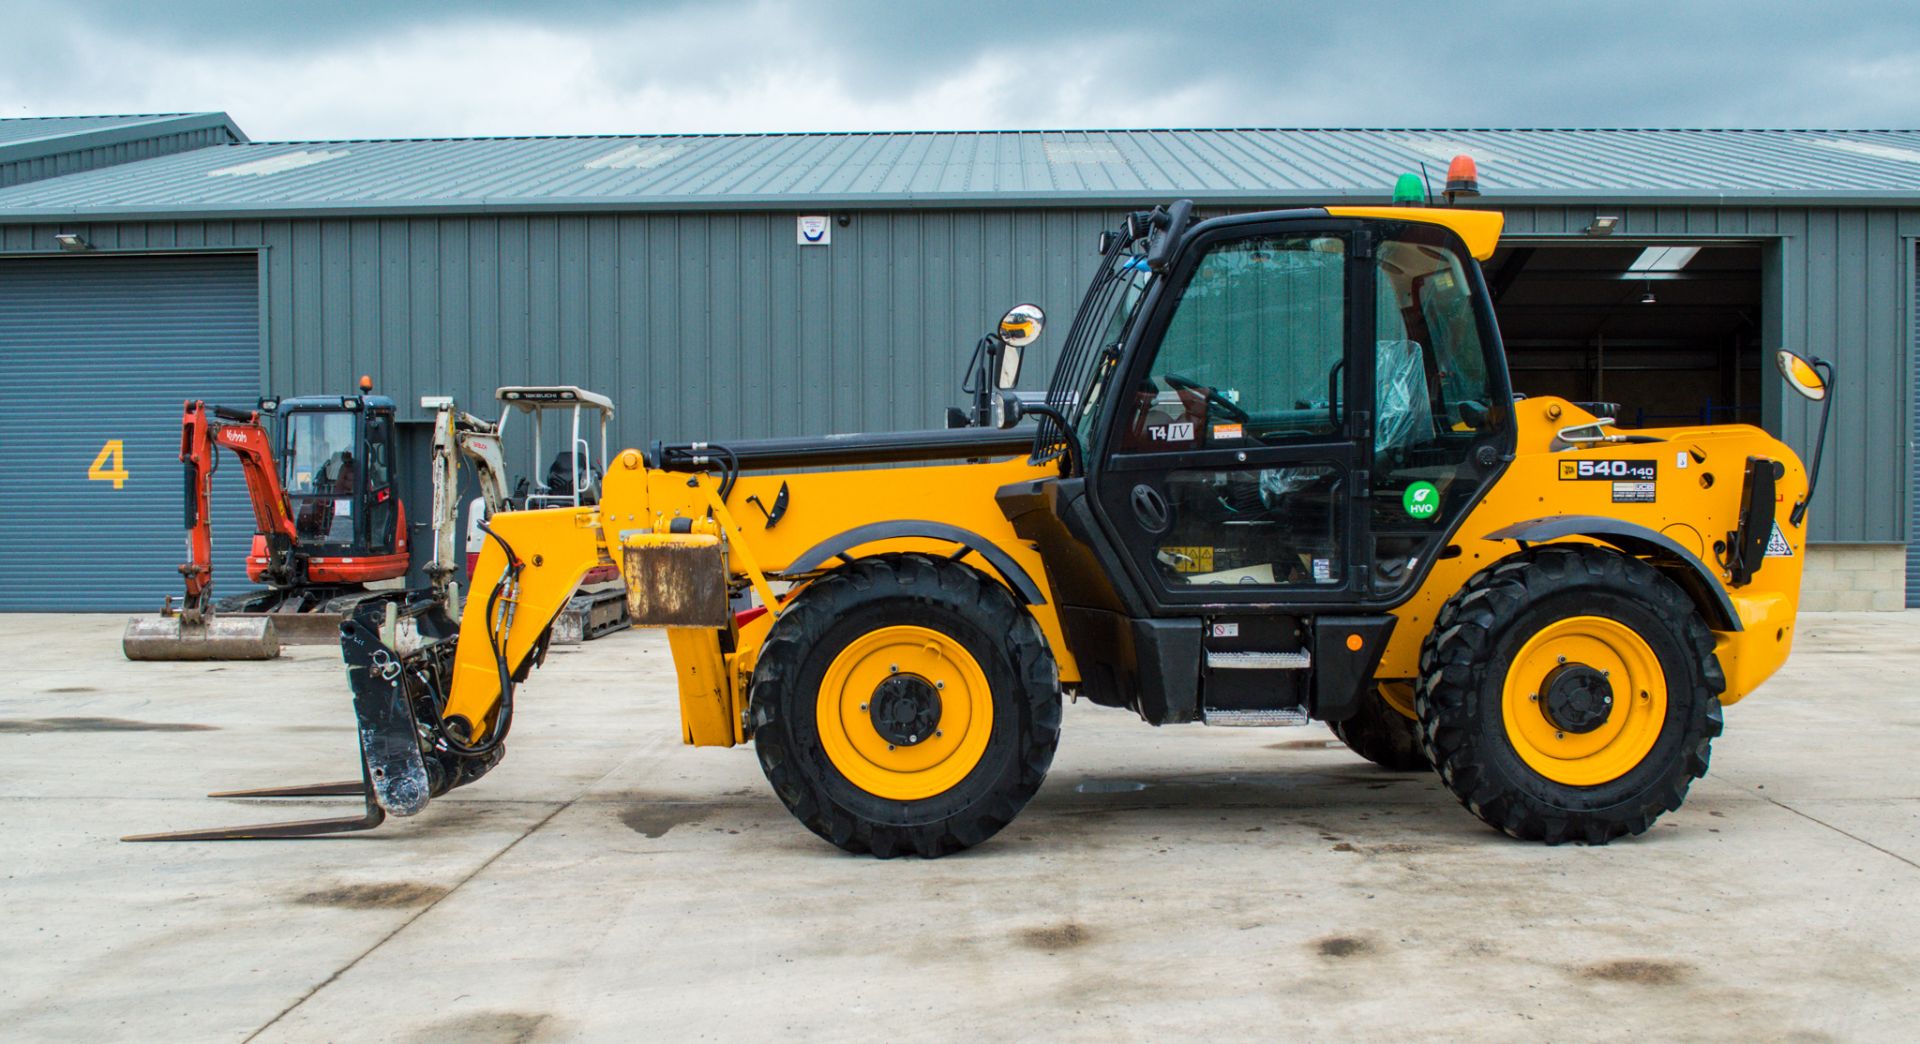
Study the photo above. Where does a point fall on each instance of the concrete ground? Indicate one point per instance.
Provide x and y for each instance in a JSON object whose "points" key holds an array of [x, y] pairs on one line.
{"points": [[607, 883]]}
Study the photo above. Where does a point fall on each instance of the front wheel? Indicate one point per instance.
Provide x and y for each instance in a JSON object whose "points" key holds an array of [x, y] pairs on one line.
{"points": [[1569, 694], [905, 704]]}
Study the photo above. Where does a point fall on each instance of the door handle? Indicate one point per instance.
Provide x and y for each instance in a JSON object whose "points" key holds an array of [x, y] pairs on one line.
{"points": [[1151, 509]]}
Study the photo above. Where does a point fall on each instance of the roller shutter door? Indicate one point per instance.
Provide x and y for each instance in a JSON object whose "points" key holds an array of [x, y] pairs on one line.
{"points": [[99, 349]]}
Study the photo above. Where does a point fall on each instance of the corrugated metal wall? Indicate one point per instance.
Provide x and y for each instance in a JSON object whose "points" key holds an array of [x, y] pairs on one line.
{"points": [[1913, 472], [714, 325], [1836, 285], [110, 155]]}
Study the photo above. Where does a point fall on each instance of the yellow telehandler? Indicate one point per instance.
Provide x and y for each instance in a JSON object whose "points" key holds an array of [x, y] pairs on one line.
{"points": [[1278, 475]]}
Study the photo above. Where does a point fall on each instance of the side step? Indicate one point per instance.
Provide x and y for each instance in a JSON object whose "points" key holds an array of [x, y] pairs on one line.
{"points": [[1259, 661], [1263, 718]]}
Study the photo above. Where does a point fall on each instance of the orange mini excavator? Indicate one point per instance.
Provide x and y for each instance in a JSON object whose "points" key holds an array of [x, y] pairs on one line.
{"points": [[329, 522]]}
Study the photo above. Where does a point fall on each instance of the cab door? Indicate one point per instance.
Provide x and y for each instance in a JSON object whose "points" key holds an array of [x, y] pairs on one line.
{"points": [[1234, 464], [381, 517], [1309, 411]]}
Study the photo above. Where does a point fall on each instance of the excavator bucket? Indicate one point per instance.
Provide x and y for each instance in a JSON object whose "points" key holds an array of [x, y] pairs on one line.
{"points": [[173, 637]]}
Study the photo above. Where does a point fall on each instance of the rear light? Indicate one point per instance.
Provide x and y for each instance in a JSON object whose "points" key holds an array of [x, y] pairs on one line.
{"points": [[473, 563]]}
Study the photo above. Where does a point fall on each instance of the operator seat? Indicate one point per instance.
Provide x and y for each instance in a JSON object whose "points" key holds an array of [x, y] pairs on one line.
{"points": [[560, 476]]}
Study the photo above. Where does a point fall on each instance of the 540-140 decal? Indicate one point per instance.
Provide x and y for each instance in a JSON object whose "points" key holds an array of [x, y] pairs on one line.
{"points": [[1610, 470], [1634, 481]]}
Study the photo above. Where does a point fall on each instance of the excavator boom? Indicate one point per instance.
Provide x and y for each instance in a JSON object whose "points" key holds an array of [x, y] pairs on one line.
{"points": [[192, 631]]}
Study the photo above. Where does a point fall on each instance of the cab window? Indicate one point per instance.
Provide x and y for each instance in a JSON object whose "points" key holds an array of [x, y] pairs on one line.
{"points": [[1434, 401], [1252, 352]]}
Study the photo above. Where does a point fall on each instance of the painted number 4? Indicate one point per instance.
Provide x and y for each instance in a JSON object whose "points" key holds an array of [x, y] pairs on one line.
{"points": [[109, 465]]}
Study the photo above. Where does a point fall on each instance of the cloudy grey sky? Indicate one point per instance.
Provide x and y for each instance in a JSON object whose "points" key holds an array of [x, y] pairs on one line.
{"points": [[378, 68]]}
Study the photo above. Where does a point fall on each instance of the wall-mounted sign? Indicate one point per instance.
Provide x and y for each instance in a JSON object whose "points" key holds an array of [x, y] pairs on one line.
{"points": [[814, 230]]}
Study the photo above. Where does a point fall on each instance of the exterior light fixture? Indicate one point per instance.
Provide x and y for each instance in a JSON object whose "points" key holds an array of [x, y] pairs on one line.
{"points": [[1408, 192], [72, 241], [1602, 226], [1647, 297]]}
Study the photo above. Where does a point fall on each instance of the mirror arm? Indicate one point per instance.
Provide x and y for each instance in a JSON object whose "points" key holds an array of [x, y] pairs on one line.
{"points": [[986, 358], [1825, 370], [1013, 411]]}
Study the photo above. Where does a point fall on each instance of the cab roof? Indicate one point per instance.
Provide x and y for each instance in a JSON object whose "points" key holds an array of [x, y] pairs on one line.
{"points": [[530, 397], [1478, 229]]}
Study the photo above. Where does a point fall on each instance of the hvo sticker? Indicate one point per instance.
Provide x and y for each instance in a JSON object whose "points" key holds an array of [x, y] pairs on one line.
{"points": [[1421, 501]]}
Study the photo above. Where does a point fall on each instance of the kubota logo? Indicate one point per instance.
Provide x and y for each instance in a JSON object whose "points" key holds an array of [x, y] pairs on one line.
{"points": [[233, 435]]}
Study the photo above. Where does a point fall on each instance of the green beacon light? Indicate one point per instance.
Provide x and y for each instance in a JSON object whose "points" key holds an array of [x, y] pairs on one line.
{"points": [[1408, 192]]}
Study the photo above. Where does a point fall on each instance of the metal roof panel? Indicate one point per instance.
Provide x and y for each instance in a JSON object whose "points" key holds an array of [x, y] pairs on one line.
{"points": [[986, 167]]}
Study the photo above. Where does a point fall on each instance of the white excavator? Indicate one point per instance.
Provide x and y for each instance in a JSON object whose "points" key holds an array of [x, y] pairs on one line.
{"points": [[572, 480]]}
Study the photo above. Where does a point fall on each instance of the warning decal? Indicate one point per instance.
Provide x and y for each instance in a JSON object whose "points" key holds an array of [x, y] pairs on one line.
{"points": [[1777, 546]]}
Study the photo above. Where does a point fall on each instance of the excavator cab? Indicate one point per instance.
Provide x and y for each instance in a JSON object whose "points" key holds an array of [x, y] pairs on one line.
{"points": [[336, 455], [573, 473]]}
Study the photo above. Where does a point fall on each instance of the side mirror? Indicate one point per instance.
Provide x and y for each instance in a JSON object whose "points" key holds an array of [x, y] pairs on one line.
{"points": [[1809, 377], [1801, 375], [1020, 327]]}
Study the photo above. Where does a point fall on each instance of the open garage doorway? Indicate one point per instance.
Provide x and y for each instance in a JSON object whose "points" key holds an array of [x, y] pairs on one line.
{"points": [[1669, 331]]}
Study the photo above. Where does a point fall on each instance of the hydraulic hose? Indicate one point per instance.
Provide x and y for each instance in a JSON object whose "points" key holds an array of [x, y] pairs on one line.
{"points": [[503, 721], [731, 474]]}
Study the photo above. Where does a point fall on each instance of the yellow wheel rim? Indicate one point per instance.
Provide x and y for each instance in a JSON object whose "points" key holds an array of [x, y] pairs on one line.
{"points": [[1633, 720], [905, 771]]}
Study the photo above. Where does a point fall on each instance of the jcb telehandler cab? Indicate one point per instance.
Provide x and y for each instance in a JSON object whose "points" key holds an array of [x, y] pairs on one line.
{"points": [[1279, 475]]}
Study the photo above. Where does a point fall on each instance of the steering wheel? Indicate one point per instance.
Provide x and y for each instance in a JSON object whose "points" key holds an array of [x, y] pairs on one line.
{"points": [[1214, 399]]}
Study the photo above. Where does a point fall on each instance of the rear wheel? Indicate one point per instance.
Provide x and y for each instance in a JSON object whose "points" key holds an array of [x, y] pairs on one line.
{"points": [[1381, 733], [905, 704], [1569, 694]]}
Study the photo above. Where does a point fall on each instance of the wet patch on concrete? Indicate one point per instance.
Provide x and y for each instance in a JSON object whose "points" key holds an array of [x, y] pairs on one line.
{"points": [[1108, 786], [1342, 946], [32, 725], [493, 1027], [389, 895], [656, 820], [1640, 971], [1054, 938]]}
